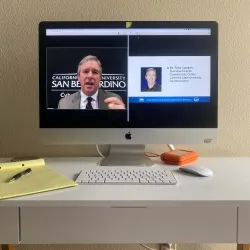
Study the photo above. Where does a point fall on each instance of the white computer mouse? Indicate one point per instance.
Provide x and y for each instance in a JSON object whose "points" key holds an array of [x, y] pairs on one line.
{"points": [[197, 170]]}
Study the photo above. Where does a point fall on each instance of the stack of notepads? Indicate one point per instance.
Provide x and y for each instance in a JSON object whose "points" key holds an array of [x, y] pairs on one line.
{"points": [[40, 179]]}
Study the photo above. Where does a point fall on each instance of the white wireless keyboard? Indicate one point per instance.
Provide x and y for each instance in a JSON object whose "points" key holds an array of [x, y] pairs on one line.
{"points": [[129, 175]]}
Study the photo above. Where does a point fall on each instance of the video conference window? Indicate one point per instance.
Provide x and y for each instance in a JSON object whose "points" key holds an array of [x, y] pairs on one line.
{"points": [[133, 72], [87, 78]]}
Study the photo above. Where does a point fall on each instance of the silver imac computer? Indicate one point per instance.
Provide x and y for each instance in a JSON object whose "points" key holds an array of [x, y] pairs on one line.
{"points": [[128, 84]]}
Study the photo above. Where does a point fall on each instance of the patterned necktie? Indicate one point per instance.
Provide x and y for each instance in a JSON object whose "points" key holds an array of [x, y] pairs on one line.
{"points": [[89, 105]]}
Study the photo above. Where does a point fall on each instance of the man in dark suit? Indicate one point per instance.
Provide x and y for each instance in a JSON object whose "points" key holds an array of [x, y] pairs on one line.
{"points": [[152, 85], [90, 96]]}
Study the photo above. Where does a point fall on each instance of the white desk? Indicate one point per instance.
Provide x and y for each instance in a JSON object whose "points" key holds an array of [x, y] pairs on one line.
{"points": [[197, 210]]}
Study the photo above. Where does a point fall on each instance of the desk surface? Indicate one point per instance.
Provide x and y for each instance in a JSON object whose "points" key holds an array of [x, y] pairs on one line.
{"points": [[229, 185]]}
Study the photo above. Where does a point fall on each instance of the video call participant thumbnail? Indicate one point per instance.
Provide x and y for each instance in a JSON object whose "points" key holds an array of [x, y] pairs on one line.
{"points": [[90, 96], [152, 85]]}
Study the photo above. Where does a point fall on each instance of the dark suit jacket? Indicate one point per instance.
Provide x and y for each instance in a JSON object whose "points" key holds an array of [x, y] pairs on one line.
{"points": [[73, 101], [156, 87]]}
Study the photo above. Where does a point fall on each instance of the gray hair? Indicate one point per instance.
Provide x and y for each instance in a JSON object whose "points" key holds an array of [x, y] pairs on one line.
{"points": [[151, 69], [89, 58]]}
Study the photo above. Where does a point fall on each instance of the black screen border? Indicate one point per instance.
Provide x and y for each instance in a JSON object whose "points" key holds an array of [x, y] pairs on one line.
{"points": [[206, 116]]}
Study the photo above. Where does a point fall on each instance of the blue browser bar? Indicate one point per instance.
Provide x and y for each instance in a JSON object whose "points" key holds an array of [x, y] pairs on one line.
{"points": [[176, 99]]}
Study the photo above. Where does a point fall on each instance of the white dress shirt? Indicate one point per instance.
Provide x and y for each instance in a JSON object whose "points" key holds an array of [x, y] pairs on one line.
{"points": [[84, 100]]}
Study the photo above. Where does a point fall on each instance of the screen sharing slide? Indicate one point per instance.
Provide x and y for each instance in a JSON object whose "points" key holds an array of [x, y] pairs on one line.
{"points": [[169, 79]]}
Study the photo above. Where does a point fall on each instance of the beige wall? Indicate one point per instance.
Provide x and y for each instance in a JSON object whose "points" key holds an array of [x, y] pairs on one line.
{"points": [[19, 72]]}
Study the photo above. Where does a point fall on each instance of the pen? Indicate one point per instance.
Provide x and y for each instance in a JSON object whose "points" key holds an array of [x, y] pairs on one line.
{"points": [[19, 175]]}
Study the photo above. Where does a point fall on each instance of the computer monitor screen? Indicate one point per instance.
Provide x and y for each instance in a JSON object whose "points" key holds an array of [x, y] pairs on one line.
{"points": [[129, 76]]}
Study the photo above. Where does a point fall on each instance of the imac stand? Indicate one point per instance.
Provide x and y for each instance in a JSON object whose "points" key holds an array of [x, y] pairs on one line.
{"points": [[127, 155]]}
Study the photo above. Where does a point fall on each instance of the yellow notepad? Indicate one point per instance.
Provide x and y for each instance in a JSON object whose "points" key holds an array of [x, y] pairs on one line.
{"points": [[40, 179]]}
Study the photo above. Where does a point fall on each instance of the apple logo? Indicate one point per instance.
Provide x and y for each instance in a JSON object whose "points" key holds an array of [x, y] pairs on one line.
{"points": [[128, 136]]}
